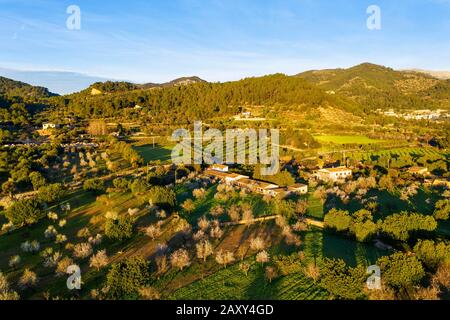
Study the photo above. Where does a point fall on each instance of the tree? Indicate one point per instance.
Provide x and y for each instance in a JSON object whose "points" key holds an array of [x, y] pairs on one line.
{"points": [[338, 220], [442, 210], [188, 205], [363, 226], [99, 260], [224, 257], [95, 185], [180, 259], [9, 187], [262, 257], [153, 231], [51, 193], [120, 228], [6, 293], [25, 212], [245, 268], [257, 244], [37, 180], [342, 281], [270, 273], [82, 250], [312, 271], [126, 278], [432, 254], [401, 270], [97, 128], [28, 279], [399, 226], [162, 197], [204, 250]]}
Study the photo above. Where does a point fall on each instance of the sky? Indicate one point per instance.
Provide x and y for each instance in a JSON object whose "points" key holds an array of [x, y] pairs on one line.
{"points": [[220, 40]]}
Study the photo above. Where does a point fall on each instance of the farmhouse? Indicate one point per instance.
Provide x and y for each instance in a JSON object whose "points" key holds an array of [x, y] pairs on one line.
{"points": [[257, 186], [220, 167], [228, 178], [334, 174], [47, 126], [298, 188], [420, 171]]}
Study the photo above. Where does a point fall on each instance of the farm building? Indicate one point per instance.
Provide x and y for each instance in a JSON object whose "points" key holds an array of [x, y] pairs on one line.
{"points": [[298, 188], [48, 126], [220, 167], [257, 186], [229, 178], [334, 174]]}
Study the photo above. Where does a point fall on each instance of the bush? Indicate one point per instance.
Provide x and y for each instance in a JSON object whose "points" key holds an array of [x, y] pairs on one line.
{"points": [[51, 193], [94, 185], [120, 228]]}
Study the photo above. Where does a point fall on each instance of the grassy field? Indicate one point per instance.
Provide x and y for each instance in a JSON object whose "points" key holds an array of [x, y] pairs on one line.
{"points": [[346, 139], [416, 152], [231, 283], [157, 153]]}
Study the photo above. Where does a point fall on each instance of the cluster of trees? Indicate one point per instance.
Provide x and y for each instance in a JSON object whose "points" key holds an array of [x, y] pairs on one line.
{"points": [[361, 224], [127, 152]]}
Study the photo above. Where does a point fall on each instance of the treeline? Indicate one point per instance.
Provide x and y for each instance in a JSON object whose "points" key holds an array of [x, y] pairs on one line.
{"points": [[183, 104]]}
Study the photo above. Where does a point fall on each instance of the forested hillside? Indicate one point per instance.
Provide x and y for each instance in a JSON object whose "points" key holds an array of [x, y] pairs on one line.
{"points": [[376, 87], [205, 100]]}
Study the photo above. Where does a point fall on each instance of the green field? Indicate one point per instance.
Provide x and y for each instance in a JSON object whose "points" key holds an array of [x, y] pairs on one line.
{"points": [[157, 153], [231, 283], [415, 152], [346, 139]]}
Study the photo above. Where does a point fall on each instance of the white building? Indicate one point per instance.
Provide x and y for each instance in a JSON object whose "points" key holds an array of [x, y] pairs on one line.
{"points": [[47, 126], [220, 167], [334, 174]]}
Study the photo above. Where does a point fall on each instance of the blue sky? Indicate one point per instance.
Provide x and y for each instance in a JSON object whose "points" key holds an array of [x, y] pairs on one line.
{"points": [[220, 40]]}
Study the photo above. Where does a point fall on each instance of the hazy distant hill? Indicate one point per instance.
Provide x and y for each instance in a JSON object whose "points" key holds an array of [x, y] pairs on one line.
{"points": [[56, 81], [442, 75], [123, 86], [377, 86], [11, 88]]}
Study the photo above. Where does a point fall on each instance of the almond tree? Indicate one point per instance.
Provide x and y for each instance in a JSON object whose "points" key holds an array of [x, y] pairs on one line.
{"points": [[262, 257], [28, 279], [312, 271], [257, 244], [180, 259], [153, 232], [203, 223], [204, 250], [99, 260], [271, 273], [224, 257], [245, 268]]}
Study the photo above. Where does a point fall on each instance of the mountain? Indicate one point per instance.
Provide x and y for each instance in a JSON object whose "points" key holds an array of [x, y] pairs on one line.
{"points": [[442, 75], [123, 86], [187, 99], [177, 82], [13, 88], [375, 86], [60, 82]]}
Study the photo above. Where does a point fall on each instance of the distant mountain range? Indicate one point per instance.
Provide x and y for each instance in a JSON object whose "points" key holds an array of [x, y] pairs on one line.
{"points": [[60, 82], [443, 75]]}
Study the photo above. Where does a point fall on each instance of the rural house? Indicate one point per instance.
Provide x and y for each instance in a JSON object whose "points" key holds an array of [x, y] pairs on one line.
{"points": [[334, 174]]}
